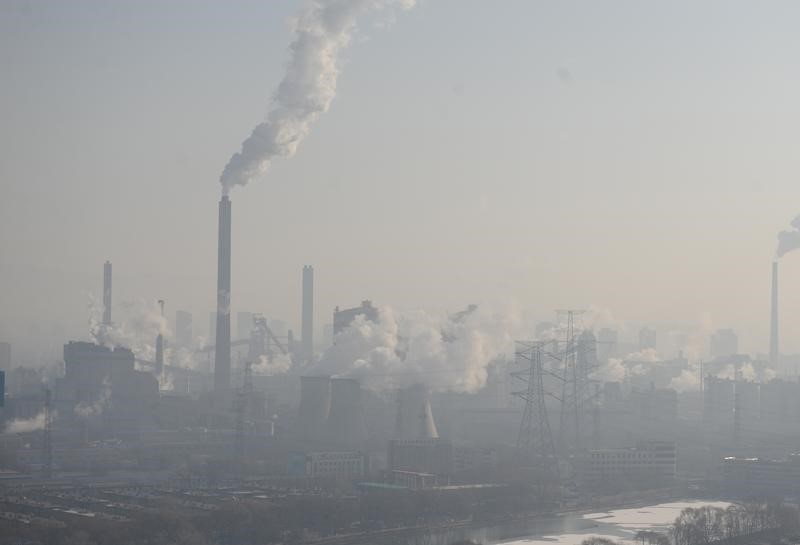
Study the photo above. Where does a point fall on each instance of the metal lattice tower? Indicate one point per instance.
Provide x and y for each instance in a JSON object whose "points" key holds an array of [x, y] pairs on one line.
{"points": [[535, 440], [578, 355], [48, 435]]}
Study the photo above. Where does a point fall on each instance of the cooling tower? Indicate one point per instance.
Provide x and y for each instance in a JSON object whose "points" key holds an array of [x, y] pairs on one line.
{"points": [[315, 405], [307, 327], [773, 324], [107, 293], [222, 352], [414, 414], [346, 422]]}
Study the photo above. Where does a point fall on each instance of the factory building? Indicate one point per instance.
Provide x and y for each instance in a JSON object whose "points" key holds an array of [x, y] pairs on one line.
{"points": [[756, 476], [343, 318], [342, 465], [100, 382], [651, 461]]}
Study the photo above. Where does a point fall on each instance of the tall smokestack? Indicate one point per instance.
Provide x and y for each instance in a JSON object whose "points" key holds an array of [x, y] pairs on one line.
{"points": [[307, 331], [773, 326], [107, 293], [222, 353]]}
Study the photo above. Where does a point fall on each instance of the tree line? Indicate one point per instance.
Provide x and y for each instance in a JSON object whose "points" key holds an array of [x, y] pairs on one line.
{"points": [[707, 525]]}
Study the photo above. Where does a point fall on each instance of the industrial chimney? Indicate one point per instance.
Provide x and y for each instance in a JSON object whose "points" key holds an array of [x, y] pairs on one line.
{"points": [[773, 325], [107, 293], [222, 352], [307, 330]]}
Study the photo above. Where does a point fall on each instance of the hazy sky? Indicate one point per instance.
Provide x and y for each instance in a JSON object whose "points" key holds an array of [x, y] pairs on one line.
{"points": [[636, 156]]}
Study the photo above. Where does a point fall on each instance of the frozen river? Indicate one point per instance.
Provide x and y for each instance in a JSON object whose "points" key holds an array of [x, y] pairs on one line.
{"points": [[618, 524], [569, 529]]}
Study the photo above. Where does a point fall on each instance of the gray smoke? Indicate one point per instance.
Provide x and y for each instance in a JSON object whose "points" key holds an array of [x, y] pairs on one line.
{"points": [[789, 240], [321, 31]]}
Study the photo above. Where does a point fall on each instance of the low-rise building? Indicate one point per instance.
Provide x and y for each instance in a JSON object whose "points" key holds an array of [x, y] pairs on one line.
{"points": [[652, 461], [344, 465]]}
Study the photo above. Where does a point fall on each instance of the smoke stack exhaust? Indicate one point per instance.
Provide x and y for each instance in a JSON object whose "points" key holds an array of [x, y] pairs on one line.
{"points": [[222, 353], [307, 330], [107, 293], [773, 326]]}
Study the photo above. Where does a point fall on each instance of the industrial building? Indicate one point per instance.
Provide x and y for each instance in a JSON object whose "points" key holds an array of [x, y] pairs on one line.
{"points": [[756, 476], [651, 461], [343, 465], [343, 318]]}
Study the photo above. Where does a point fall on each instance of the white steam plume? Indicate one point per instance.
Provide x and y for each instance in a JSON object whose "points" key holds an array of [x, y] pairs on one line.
{"points": [[141, 323], [87, 411], [445, 353], [25, 425], [321, 31], [789, 240]]}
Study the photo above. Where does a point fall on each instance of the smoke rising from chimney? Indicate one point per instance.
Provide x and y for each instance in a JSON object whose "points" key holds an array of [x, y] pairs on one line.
{"points": [[789, 241], [400, 349], [321, 31]]}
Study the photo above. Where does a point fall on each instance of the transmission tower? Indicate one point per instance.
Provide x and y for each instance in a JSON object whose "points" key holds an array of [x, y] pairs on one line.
{"points": [[535, 440], [578, 357], [48, 435]]}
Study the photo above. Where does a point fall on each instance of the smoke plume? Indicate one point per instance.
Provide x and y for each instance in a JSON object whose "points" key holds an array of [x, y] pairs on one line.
{"points": [[25, 425], [321, 31], [87, 411], [789, 240], [141, 323], [447, 353]]}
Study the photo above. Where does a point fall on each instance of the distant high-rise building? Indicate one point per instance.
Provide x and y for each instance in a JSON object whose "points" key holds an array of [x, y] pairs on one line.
{"points": [[343, 318], [212, 328], [183, 328], [244, 325], [724, 343], [647, 338], [5, 357], [607, 344]]}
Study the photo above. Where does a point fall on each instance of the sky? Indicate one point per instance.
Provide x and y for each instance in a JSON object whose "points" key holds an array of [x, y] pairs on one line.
{"points": [[634, 157]]}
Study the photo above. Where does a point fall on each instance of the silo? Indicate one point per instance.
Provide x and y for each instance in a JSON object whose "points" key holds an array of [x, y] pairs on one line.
{"points": [[346, 424], [414, 414], [315, 404]]}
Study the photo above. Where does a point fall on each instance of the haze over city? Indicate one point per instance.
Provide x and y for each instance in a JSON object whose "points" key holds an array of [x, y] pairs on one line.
{"points": [[399, 271], [634, 158]]}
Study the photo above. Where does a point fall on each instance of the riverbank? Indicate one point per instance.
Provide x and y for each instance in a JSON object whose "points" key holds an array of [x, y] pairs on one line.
{"points": [[507, 527]]}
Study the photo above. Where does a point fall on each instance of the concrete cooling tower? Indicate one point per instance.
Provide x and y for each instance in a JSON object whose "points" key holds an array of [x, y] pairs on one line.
{"points": [[414, 414], [315, 405], [346, 423]]}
